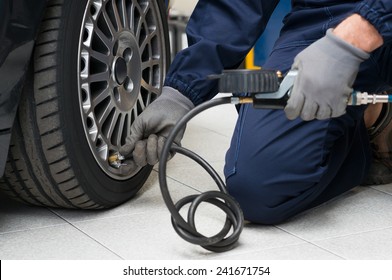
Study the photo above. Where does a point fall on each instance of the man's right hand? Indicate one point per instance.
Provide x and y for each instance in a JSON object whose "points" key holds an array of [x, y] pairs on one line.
{"points": [[153, 126]]}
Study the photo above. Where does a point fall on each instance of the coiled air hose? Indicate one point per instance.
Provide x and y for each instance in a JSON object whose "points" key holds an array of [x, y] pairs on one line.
{"points": [[233, 81], [187, 229]]}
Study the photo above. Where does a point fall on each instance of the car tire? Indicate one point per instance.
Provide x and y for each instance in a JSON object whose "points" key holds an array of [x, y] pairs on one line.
{"points": [[97, 64]]}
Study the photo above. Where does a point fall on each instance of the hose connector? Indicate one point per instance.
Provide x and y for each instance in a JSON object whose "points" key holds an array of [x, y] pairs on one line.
{"points": [[116, 160], [363, 98]]}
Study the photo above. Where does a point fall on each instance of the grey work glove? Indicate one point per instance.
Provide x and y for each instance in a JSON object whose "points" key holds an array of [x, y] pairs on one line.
{"points": [[153, 126], [326, 72]]}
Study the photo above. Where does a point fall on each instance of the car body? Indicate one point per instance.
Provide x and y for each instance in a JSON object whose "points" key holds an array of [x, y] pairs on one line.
{"points": [[19, 23]]}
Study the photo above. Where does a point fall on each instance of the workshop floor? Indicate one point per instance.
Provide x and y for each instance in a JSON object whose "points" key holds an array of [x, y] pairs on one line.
{"points": [[357, 225]]}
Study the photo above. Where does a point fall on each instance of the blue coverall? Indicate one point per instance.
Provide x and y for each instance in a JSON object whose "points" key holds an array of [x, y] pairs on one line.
{"points": [[276, 168]]}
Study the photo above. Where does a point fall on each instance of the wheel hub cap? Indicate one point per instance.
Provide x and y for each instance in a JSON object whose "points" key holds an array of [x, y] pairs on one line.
{"points": [[126, 74], [120, 70]]}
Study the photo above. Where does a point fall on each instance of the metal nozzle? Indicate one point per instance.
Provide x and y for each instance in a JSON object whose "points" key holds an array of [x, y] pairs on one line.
{"points": [[116, 160], [241, 100], [363, 98]]}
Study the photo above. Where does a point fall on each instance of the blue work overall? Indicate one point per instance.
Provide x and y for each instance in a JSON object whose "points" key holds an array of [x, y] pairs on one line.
{"points": [[276, 168]]}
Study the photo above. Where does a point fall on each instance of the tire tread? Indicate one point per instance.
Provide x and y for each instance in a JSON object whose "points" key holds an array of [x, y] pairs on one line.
{"points": [[43, 175]]}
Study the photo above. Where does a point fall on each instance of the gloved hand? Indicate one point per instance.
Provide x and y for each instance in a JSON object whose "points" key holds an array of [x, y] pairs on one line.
{"points": [[153, 126], [326, 72]]}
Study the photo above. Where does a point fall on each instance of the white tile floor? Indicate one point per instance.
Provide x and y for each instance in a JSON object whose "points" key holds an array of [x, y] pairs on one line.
{"points": [[358, 225]]}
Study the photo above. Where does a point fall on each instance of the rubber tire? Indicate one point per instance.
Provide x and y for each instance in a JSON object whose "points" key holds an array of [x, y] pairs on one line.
{"points": [[49, 161]]}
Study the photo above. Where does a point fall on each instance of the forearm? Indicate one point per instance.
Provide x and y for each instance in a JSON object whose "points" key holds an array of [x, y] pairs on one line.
{"points": [[379, 14], [359, 32]]}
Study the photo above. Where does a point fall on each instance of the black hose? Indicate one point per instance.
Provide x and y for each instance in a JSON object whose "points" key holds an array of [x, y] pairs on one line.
{"points": [[222, 241]]}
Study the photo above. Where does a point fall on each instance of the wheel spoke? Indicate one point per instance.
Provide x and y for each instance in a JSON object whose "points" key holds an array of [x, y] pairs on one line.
{"points": [[93, 130], [112, 125], [146, 8], [117, 17], [147, 40], [131, 16], [136, 16], [141, 103], [135, 112], [147, 97], [105, 40], [99, 77], [150, 63], [107, 110], [100, 56], [139, 21], [149, 87], [121, 128], [103, 152], [139, 27], [124, 12], [109, 23], [100, 97]]}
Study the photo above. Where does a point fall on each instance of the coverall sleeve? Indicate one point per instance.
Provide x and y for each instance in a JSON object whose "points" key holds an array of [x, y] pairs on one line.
{"points": [[378, 13], [220, 33]]}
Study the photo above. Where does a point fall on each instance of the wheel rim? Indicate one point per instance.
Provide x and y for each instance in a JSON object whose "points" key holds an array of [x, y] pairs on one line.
{"points": [[122, 63]]}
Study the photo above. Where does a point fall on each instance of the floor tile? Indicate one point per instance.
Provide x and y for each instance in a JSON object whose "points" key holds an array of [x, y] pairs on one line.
{"points": [[304, 251], [139, 236], [195, 176], [220, 119], [373, 245], [360, 210], [149, 199], [384, 188], [208, 144], [62, 242], [256, 238], [151, 236], [15, 216]]}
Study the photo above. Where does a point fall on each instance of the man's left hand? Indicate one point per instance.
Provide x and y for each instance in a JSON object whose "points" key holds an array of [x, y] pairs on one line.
{"points": [[326, 73]]}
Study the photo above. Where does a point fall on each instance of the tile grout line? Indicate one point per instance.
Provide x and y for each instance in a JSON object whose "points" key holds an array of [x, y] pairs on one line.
{"points": [[187, 185], [84, 233], [334, 237], [182, 183], [380, 191], [32, 228], [211, 130], [310, 242], [347, 235], [187, 165], [108, 217], [269, 249], [355, 233]]}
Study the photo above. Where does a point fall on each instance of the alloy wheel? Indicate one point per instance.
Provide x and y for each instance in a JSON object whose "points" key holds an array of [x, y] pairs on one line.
{"points": [[121, 71]]}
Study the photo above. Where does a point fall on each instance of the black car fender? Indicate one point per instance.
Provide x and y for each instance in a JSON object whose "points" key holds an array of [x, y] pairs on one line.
{"points": [[19, 24]]}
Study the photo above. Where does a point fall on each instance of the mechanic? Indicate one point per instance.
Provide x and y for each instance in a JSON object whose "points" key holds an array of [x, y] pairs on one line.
{"points": [[282, 162]]}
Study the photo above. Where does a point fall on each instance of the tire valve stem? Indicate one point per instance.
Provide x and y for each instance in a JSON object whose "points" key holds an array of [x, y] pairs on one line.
{"points": [[116, 160]]}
